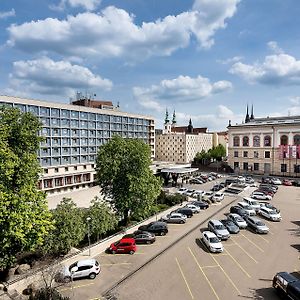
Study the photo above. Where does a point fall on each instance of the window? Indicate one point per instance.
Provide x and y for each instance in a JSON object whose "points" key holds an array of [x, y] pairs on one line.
{"points": [[255, 154], [283, 140], [283, 168], [46, 171], [297, 139], [256, 166], [56, 170], [75, 168], [245, 166], [267, 141], [245, 141], [267, 154], [236, 141], [245, 154], [256, 141], [296, 168], [236, 164], [66, 169], [236, 154]]}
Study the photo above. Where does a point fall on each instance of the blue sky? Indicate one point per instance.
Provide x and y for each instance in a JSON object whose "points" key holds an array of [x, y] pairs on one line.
{"points": [[206, 59]]}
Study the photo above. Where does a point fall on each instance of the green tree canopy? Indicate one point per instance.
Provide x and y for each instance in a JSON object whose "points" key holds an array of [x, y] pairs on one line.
{"points": [[24, 216], [102, 219], [123, 173], [218, 152], [69, 229]]}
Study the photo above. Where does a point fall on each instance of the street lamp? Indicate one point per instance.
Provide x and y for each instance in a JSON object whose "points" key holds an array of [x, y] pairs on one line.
{"points": [[88, 219]]}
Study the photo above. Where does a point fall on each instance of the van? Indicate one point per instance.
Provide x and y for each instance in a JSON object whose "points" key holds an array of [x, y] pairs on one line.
{"points": [[253, 203], [287, 284]]}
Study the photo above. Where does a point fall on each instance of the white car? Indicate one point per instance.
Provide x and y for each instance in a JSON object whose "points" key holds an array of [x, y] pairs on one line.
{"points": [[194, 208], [207, 195], [88, 268], [175, 218], [238, 220], [189, 192], [270, 214], [197, 193], [217, 197], [182, 191], [276, 181], [260, 196], [212, 242], [254, 204], [249, 209]]}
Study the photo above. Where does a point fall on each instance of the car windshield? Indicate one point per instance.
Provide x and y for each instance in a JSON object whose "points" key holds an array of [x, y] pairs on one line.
{"points": [[229, 223], [220, 227], [272, 212], [238, 219], [259, 223], [214, 240], [248, 207]]}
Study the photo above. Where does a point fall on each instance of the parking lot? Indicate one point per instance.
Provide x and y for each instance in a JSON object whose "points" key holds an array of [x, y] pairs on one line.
{"points": [[186, 270]]}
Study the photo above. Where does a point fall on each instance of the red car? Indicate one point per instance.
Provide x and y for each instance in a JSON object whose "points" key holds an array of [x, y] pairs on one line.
{"points": [[126, 245], [287, 182]]}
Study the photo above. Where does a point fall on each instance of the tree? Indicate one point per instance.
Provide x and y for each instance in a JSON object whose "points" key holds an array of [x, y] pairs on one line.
{"points": [[218, 152], [69, 230], [123, 173], [24, 215], [102, 220], [202, 157]]}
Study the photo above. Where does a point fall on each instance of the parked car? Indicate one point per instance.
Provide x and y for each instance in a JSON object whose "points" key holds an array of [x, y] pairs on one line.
{"points": [[238, 210], [230, 226], [189, 192], [182, 191], [287, 285], [196, 181], [296, 183], [174, 218], [260, 196], [270, 190], [212, 242], [287, 182], [85, 268], [238, 220], [158, 228], [195, 209], [206, 196], [273, 187], [268, 205], [252, 202], [216, 188], [249, 180], [249, 210], [257, 225], [126, 245], [141, 237], [201, 204], [270, 214], [217, 197], [276, 181], [266, 191], [218, 229], [197, 194], [186, 211]]}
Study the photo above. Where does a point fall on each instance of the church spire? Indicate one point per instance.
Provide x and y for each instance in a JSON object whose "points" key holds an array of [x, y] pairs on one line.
{"points": [[167, 117], [252, 115], [174, 118], [190, 127], [247, 119]]}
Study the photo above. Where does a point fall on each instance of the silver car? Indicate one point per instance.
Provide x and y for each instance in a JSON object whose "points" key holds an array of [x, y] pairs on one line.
{"points": [[257, 225], [175, 218], [218, 229]]}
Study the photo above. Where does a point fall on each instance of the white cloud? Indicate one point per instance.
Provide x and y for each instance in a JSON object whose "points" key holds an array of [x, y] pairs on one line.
{"points": [[230, 60], [295, 100], [45, 76], [113, 33], [86, 4], [7, 14], [279, 69], [274, 47], [180, 89]]}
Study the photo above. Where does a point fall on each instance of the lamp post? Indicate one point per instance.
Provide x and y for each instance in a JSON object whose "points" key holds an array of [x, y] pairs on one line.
{"points": [[88, 219]]}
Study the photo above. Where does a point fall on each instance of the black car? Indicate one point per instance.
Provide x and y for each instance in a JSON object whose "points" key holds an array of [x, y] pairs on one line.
{"points": [[185, 211], [201, 204], [216, 188], [238, 210], [141, 237], [230, 226], [158, 228]]}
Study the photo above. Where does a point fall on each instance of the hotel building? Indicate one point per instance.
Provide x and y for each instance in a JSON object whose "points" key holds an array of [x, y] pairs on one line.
{"points": [[73, 134], [268, 145]]}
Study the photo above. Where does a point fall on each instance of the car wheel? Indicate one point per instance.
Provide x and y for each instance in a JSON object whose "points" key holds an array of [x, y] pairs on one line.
{"points": [[92, 276], [113, 251], [181, 222], [162, 233], [148, 242], [131, 252], [67, 279]]}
